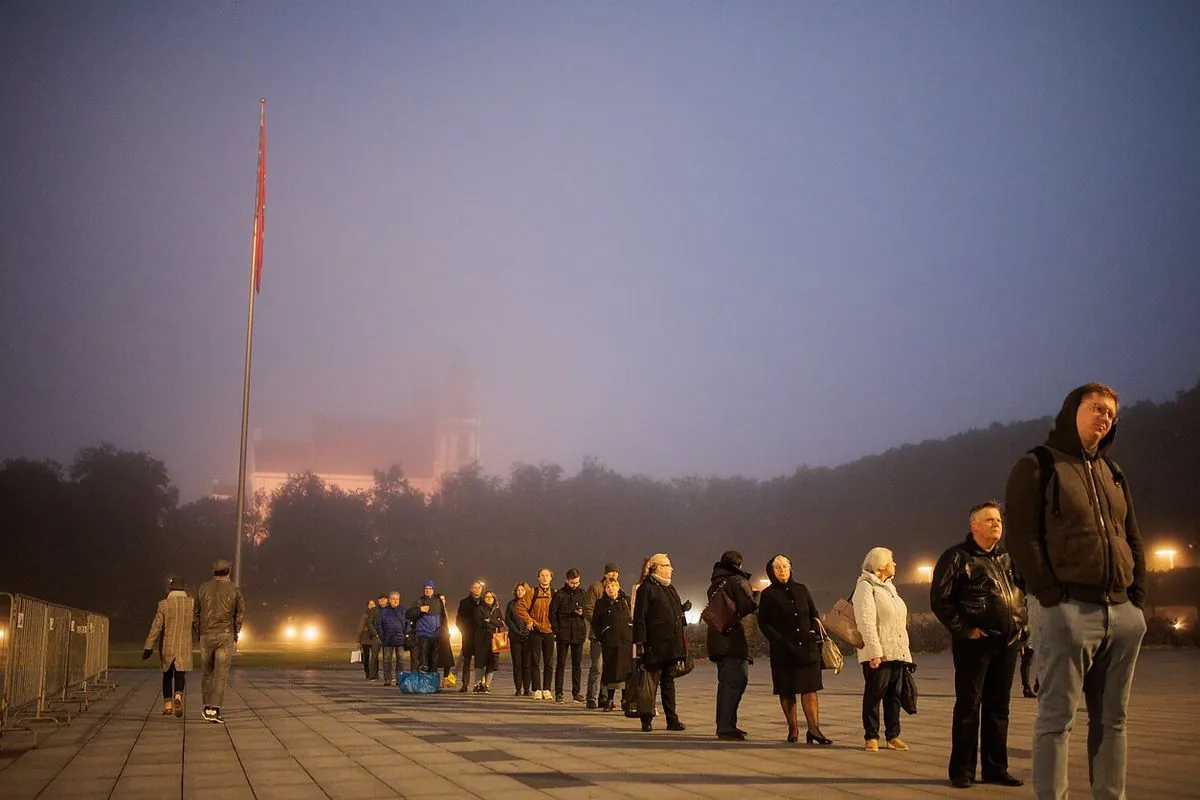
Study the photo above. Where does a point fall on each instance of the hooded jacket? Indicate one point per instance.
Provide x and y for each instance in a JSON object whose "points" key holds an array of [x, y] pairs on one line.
{"points": [[427, 625], [1092, 549], [788, 619], [976, 588], [737, 582]]}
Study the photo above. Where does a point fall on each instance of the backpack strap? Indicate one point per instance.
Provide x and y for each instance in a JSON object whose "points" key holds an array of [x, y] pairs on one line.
{"points": [[1047, 480]]}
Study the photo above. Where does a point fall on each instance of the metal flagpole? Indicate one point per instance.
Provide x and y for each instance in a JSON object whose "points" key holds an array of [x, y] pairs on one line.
{"points": [[255, 270]]}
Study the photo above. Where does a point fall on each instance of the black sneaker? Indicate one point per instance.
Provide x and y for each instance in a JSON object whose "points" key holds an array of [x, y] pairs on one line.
{"points": [[591, 703], [558, 698], [213, 715]]}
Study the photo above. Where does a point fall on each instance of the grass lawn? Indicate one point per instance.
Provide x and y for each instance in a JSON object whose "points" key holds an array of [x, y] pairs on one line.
{"points": [[129, 656]]}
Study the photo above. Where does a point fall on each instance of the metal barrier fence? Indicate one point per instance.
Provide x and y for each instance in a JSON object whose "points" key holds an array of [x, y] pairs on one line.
{"points": [[53, 660]]}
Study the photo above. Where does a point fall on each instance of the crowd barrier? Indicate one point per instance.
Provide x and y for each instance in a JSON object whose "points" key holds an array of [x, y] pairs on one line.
{"points": [[53, 662]]}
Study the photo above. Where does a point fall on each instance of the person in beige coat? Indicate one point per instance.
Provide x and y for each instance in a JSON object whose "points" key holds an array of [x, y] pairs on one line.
{"points": [[171, 635], [882, 619]]}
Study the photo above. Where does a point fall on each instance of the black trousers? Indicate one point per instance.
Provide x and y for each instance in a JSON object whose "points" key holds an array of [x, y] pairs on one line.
{"points": [[521, 652], [666, 690], [560, 667], [542, 647], [882, 686], [370, 660], [1026, 666], [173, 681], [426, 653], [983, 679]]}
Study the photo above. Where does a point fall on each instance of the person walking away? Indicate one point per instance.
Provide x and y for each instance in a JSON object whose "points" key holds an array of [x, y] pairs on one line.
{"points": [[518, 623], [217, 619], [393, 626], [976, 595], [368, 641], [658, 627], [570, 630], [612, 622], [541, 635], [882, 619], [464, 620], [489, 619], [595, 648], [171, 634], [1074, 538], [729, 650], [789, 621]]}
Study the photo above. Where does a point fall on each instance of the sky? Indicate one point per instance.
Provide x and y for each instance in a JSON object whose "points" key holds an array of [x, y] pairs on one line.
{"points": [[682, 237]]}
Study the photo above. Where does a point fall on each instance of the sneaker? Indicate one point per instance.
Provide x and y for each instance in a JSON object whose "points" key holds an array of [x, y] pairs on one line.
{"points": [[896, 744], [177, 704], [167, 709], [213, 714], [518, 693], [558, 698], [487, 689], [591, 704], [527, 693], [872, 746], [578, 698]]}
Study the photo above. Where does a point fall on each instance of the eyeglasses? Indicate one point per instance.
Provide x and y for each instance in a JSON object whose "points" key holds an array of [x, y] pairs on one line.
{"points": [[1101, 410]]}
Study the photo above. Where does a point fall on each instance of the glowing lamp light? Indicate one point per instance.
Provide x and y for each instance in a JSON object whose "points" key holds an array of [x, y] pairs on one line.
{"points": [[691, 617], [243, 634], [311, 634], [1169, 554], [925, 573], [3, 633], [1177, 625], [454, 634], [289, 632]]}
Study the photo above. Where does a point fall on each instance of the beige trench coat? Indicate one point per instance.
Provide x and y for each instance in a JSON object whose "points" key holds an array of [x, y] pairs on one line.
{"points": [[171, 631]]}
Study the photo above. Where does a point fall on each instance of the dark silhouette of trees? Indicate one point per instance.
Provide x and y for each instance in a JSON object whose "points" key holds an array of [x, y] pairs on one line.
{"points": [[104, 532]]}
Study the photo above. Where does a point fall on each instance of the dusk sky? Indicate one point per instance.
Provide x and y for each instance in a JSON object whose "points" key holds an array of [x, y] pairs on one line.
{"points": [[684, 237]]}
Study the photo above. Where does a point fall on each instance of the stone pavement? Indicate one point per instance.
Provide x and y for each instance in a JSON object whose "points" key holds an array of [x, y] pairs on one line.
{"points": [[328, 734]]}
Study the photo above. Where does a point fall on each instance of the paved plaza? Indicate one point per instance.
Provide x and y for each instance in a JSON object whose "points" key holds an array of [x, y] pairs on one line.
{"points": [[329, 734]]}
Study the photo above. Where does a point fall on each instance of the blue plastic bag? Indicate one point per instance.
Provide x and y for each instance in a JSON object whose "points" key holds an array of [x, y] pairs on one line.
{"points": [[418, 682]]}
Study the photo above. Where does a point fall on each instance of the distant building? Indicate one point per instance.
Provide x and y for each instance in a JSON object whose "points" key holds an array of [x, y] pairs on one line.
{"points": [[345, 452]]}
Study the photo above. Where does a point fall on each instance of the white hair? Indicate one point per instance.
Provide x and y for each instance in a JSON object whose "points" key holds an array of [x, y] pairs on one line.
{"points": [[877, 558]]}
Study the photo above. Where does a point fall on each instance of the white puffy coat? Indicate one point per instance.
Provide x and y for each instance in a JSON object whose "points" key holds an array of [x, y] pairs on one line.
{"points": [[882, 619]]}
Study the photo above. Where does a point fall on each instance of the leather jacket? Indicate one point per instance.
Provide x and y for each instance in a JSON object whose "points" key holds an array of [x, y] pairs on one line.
{"points": [[974, 588], [220, 608]]}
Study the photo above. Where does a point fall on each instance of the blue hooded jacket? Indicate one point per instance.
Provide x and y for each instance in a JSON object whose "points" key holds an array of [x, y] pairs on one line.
{"points": [[428, 625]]}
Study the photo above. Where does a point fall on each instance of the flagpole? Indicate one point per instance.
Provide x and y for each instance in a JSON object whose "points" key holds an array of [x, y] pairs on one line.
{"points": [[255, 270]]}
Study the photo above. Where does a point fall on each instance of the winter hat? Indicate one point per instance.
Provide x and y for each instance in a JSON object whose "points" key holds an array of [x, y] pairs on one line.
{"points": [[610, 567], [428, 585]]}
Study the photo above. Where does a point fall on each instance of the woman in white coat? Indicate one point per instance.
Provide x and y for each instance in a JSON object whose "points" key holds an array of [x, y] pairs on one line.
{"points": [[882, 619]]}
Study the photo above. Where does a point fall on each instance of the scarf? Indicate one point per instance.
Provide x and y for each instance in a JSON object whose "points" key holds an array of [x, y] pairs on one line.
{"points": [[660, 580]]}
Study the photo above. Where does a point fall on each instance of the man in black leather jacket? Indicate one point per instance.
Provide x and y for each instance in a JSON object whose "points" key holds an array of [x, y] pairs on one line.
{"points": [[217, 620], [976, 594]]}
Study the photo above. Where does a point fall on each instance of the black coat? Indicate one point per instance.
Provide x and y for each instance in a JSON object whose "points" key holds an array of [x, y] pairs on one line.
{"points": [[464, 620], [658, 624], [566, 615], [612, 624], [974, 588], [517, 628], [732, 644], [487, 622], [787, 618]]}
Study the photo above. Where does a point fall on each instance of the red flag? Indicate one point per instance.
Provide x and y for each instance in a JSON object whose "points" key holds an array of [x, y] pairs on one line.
{"points": [[260, 197]]}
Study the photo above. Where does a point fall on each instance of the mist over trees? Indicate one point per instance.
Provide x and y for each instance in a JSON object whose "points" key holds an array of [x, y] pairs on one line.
{"points": [[103, 532]]}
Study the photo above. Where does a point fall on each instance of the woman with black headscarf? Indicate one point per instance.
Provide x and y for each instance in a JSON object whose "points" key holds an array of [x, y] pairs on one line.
{"points": [[788, 619]]}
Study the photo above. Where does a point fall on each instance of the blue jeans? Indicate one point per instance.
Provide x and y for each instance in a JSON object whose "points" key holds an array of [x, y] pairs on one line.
{"points": [[733, 675], [1086, 649]]}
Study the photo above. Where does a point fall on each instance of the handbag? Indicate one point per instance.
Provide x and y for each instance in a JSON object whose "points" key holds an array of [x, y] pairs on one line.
{"points": [[500, 641], [840, 622], [418, 683], [721, 612], [645, 687], [356, 656], [681, 668], [831, 654]]}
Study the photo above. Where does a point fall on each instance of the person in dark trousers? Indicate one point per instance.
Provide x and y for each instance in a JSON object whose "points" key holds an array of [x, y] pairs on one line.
{"points": [[393, 628], [729, 650], [595, 648], [489, 619], [976, 595], [541, 635], [171, 634], [427, 615], [1074, 538], [521, 653], [612, 621], [658, 629], [570, 630], [881, 616], [464, 620], [217, 620], [789, 621], [368, 639], [1028, 688]]}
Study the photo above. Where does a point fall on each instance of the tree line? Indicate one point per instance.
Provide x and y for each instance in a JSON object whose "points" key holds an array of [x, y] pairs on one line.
{"points": [[103, 532]]}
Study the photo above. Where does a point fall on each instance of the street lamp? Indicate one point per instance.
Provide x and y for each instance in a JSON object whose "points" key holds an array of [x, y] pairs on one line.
{"points": [[925, 573], [1169, 554]]}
